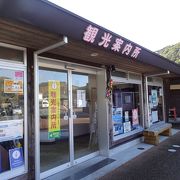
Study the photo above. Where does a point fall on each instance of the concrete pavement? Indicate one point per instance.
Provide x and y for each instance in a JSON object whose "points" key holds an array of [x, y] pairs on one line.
{"points": [[157, 163]]}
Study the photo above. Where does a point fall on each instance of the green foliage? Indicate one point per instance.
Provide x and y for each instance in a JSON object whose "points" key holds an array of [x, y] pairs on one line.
{"points": [[171, 52]]}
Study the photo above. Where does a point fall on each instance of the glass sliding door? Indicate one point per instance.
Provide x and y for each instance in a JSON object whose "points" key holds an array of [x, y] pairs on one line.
{"points": [[67, 117], [84, 114], [54, 121]]}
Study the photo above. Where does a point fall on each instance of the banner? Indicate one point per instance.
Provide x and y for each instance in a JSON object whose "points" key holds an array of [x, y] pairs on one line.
{"points": [[13, 86], [54, 109]]}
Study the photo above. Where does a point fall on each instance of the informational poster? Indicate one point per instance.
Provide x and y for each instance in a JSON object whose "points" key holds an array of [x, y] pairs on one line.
{"points": [[117, 118], [13, 86], [126, 113], [154, 97], [16, 157], [11, 129], [118, 129], [127, 126], [54, 109], [81, 98], [154, 115], [135, 119], [117, 115]]}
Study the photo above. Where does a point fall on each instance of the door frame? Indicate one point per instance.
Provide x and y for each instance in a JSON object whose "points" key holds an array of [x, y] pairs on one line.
{"points": [[18, 66], [40, 61]]}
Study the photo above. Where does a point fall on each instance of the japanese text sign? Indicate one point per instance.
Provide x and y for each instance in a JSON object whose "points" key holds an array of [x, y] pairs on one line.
{"points": [[54, 109], [107, 40], [13, 86]]}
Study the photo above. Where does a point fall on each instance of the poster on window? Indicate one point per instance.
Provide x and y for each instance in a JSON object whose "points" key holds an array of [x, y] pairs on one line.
{"points": [[127, 126], [126, 113], [16, 158], [117, 115], [54, 109], [135, 119], [11, 129], [118, 129], [154, 97], [81, 98], [154, 116], [13, 86]]}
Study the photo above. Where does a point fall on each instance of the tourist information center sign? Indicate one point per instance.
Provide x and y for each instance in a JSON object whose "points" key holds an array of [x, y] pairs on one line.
{"points": [[106, 40]]}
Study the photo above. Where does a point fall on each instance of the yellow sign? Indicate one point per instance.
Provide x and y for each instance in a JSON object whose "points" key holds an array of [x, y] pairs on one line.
{"points": [[13, 86], [54, 109]]}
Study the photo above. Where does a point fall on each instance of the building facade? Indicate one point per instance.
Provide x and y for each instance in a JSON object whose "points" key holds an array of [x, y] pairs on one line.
{"points": [[72, 90]]}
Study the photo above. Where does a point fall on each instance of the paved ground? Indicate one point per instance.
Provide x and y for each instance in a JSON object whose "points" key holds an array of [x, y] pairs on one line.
{"points": [[155, 164]]}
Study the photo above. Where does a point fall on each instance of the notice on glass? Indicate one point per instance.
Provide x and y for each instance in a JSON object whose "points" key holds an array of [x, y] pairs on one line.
{"points": [[154, 116], [154, 97], [126, 113], [13, 86], [16, 158], [127, 126], [54, 109], [117, 115], [11, 129], [135, 119], [81, 98]]}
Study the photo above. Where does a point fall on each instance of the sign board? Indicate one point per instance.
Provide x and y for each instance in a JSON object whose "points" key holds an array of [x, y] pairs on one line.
{"points": [[16, 157], [106, 40], [54, 109], [11, 129], [13, 86]]}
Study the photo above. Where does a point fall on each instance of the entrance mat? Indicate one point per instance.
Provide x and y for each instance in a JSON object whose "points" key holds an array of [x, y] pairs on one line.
{"points": [[89, 170]]}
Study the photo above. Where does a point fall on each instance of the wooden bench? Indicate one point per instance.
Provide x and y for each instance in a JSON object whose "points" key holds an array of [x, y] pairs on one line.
{"points": [[151, 135]]}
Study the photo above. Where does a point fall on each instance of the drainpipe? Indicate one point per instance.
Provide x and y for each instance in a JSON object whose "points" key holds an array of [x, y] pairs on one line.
{"points": [[146, 88], [36, 101]]}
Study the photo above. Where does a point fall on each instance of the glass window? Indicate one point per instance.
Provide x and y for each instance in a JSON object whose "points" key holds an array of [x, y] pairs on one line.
{"points": [[11, 54], [155, 98], [11, 119], [126, 112]]}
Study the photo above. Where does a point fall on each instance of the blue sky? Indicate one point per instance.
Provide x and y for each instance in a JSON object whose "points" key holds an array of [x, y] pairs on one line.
{"points": [[153, 24]]}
